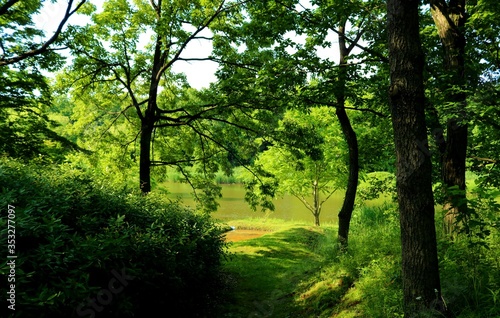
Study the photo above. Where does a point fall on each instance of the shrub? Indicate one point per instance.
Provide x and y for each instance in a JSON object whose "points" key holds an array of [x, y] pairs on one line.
{"points": [[79, 241]]}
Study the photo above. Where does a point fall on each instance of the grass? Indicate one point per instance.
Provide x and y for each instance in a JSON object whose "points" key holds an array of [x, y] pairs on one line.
{"points": [[265, 224], [272, 265], [296, 270]]}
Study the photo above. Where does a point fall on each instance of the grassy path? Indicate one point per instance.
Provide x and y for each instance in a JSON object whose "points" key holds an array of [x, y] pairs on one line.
{"points": [[296, 271], [264, 272]]}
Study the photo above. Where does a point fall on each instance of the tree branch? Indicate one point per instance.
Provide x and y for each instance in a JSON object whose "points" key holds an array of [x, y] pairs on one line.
{"points": [[348, 107], [7, 5], [200, 133], [351, 41], [46, 45], [304, 202], [116, 118], [329, 195], [488, 160], [157, 163], [192, 36]]}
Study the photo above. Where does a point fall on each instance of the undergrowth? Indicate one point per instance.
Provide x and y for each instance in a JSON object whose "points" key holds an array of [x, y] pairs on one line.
{"points": [[87, 249]]}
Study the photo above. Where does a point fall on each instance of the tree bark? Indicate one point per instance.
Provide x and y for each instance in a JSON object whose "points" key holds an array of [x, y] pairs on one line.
{"points": [[149, 120], [145, 156], [316, 219], [420, 270], [345, 213], [317, 207], [450, 19]]}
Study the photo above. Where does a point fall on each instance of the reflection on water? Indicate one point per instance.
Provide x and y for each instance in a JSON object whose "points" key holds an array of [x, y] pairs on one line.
{"points": [[233, 205]]}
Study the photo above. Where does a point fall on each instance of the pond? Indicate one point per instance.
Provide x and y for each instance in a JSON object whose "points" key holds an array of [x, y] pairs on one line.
{"points": [[233, 205]]}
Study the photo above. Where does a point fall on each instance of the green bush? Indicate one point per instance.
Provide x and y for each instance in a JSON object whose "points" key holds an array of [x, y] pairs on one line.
{"points": [[79, 241]]}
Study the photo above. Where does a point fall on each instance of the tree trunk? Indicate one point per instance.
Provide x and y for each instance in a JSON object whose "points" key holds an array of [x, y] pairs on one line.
{"points": [[345, 213], [453, 174], [316, 204], [149, 120], [420, 270], [450, 21], [145, 156], [316, 219]]}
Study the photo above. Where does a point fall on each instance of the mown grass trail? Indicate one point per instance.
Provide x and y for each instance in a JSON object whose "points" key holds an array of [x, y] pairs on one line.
{"points": [[298, 271], [264, 272]]}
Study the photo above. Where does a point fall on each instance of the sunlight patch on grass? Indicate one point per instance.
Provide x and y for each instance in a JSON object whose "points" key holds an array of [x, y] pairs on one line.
{"points": [[249, 250], [263, 224], [322, 289]]}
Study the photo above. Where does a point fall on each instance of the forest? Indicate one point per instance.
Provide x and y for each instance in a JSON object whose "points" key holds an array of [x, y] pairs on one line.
{"points": [[389, 108]]}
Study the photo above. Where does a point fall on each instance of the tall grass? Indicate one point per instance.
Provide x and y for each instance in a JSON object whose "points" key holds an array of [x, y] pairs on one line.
{"points": [[470, 273], [363, 282]]}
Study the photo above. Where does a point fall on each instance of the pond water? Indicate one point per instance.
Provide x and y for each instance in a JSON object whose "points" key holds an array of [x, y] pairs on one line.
{"points": [[233, 205]]}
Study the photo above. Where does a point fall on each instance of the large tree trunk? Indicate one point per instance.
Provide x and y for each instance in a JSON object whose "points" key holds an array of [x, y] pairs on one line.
{"points": [[345, 213], [420, 270], [450, 19], [149, 120]]}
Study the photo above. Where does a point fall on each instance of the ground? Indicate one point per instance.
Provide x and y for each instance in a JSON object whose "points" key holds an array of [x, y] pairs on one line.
{"points": [[267, 265]]}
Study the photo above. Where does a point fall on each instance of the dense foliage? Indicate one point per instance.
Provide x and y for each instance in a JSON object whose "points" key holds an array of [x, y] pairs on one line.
{"points": [[307, 160], [75, 233], [302, 105]]}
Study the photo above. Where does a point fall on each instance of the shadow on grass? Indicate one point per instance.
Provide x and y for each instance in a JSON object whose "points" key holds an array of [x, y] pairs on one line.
{"points": [[298, 271], [263, 273]]}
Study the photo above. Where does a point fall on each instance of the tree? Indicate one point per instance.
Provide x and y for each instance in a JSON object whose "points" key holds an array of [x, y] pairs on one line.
{"points": [[350, 137], [450, 19], [420, 268], [327, 17], [110, 50], [306, 159], [18, 30], [463, 72], [26, 131], [270, 24], [106, 134], [350, 21], [110, 128]]}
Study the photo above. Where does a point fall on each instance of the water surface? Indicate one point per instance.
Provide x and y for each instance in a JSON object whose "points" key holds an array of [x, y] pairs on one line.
{"points": [[233, 205]]}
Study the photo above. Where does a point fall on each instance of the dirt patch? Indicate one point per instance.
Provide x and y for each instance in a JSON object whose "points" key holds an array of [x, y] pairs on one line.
{"points": [[241, 235]]}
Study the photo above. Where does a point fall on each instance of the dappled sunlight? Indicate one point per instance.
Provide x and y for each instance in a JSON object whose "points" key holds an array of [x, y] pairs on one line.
{"points": [[318, 168], [266, 270], [297, 271]]}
